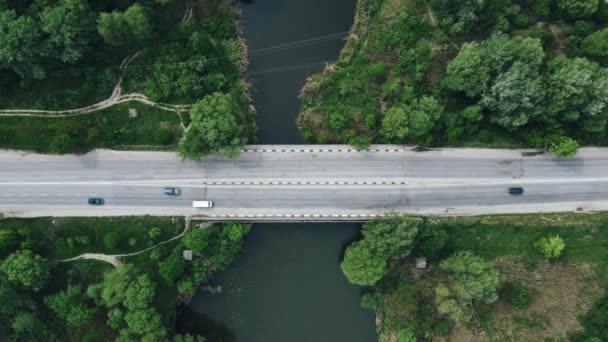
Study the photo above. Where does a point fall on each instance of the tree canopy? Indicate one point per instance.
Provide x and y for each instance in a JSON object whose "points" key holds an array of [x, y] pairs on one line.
{"points": [[133, 26], [214, 128], [70, 306], [470, 279], [26, 268], [361, 265]]}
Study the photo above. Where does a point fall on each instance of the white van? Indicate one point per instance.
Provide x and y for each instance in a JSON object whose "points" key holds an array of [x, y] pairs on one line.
{"points": [[202, 204]]}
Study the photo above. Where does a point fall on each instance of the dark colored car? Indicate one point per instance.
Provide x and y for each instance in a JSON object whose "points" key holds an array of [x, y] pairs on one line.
{"points": [[172, 191], [516, 191], [96, 201]]}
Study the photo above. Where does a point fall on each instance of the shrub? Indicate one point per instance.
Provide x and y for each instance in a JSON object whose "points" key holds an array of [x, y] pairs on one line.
{"points": [[154, 233], [368, 301], [486, 136], [360, 142], [565, 148], [111, 240], [431, 241], [376, 71], [337, 121], [550, 247], [62, 143], [370, 120], [517, 294]]}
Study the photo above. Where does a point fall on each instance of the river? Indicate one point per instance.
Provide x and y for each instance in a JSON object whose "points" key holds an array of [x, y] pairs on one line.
{"points": [[287, 285]]}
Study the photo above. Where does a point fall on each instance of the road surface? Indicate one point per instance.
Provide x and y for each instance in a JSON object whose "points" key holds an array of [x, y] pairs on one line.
{"points": [[328, 182]]}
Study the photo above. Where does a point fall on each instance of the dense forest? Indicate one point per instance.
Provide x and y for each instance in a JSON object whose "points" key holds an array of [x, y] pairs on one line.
{"points": [[182, 58], [505, 73], [493, 278], [44, 298]]}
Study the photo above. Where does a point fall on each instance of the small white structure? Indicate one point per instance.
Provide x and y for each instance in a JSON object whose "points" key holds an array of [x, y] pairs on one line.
{"points": [[187, 255], [421, 263], [132, 112]]}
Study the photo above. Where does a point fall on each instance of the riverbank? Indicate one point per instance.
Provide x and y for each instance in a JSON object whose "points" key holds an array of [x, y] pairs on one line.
{"points": [[403, 77], [536, 298], [195, 53], [129, 290]]}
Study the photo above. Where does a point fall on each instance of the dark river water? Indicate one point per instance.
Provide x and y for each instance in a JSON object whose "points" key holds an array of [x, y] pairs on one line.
{"points": [[278, 76], [287, 285]]}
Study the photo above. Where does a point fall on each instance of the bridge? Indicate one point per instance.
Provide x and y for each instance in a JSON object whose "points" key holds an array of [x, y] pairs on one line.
{"points": [[304, 183]]}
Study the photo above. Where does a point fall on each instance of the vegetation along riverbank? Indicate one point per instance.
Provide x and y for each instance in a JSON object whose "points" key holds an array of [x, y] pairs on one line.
{"points": [[466, 73], [519, 277], [125, 288], [108, 64]]}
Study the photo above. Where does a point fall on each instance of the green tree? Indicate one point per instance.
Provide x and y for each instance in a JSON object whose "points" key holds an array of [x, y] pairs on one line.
{"points": [[143, 321], [430, 241], [113, 28], [564, 148], [227, 245], [27, 268], [138, 19], [425, 111], [8, 241], [214, 127], [11, 300], [21, 45], [550, 247], [197, 239], [394, 128], [577, 90], [115, 318], [70, 306], [134, 26], [173, 267], [470, 279], [578, 8], [390, 237], [113, 289], [596, 44], [362, 266], [515, 96], [111, 240], [468, 72], [68, 25], [140, 293], [406, 335]]}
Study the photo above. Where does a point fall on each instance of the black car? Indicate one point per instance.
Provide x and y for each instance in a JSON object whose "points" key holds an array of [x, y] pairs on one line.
{"points": [[96, 201], [172, 191], [516, 191]]}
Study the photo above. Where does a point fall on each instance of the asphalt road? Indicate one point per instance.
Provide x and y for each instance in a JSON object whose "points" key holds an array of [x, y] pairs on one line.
{"points": [[295, 183]]}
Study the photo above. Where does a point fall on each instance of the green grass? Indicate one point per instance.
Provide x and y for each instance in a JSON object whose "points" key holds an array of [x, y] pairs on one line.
{"points": [[50, 236], [586, 237], [106, 128]]}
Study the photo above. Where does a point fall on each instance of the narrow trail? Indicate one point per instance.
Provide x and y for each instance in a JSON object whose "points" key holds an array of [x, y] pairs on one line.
{"points": [[115, 98], [114, 259], [189, 12]]}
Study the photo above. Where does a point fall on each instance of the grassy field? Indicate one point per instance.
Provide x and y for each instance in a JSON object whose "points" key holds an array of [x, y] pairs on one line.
{"points": [[108, 128], [562, 291]]}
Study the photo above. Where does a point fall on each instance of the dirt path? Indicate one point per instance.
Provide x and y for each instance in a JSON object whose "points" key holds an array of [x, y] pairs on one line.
{"points": [[431, 15], [115, 98], [114, 259], [189, 12]]}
